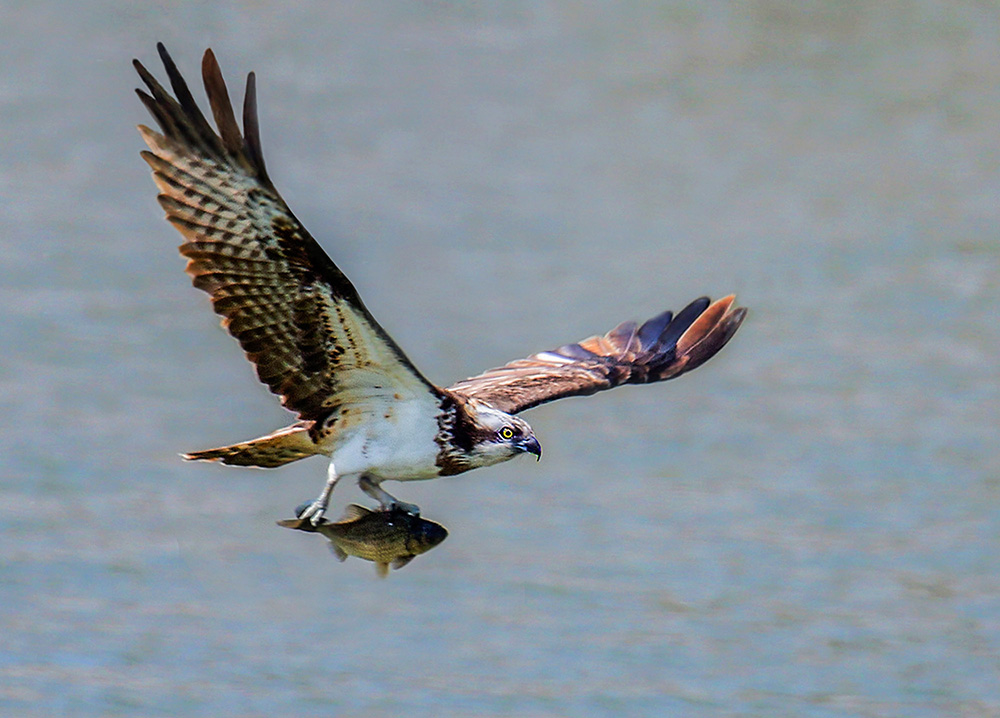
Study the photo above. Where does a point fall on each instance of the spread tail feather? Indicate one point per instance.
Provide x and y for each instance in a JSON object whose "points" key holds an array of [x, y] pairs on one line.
{"points": [[282, 447]]}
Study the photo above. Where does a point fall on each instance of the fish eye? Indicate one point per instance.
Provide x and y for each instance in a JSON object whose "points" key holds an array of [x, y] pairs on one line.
{"points": [[506, 433]]}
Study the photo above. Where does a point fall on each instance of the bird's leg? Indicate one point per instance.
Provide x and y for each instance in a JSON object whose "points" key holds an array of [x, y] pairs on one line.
{"points": [[385, 499], [314, 511]]}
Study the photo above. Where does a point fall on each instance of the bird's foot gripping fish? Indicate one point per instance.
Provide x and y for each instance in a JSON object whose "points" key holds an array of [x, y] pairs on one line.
{"points": [[388, 538], [359, 400]]}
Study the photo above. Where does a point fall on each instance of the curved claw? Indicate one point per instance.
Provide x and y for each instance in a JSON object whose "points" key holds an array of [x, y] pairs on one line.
{"points": [[312, 512], [396, 505], [387, 502]]}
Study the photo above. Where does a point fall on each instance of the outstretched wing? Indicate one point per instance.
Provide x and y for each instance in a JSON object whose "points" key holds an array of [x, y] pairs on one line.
{"points": [[662, 348], [296, 315]]}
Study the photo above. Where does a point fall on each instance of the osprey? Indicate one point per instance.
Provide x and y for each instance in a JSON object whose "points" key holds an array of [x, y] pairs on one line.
{"points": [[360, 401]]}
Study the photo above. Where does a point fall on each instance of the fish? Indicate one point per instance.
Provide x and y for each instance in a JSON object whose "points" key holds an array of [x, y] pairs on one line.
{"points": [[388, 538]]}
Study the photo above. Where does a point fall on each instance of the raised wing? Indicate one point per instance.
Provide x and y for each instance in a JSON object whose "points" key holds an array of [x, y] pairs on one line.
{"points": [[296, 315], [662, 348]]}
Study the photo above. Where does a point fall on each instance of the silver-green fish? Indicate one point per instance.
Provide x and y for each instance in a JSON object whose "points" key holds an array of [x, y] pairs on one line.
{"points": [[388, 538]]}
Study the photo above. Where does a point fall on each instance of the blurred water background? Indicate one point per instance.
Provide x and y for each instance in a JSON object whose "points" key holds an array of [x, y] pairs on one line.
{"points": [[806, 526]]}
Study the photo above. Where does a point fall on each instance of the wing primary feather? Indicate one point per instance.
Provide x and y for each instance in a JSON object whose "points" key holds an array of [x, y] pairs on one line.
{"points": [[651, 329], [167, 112], [222, 108], [209, 140], [680, 323], [251, 128], [715, 339], [162, 119], [703, 325]]}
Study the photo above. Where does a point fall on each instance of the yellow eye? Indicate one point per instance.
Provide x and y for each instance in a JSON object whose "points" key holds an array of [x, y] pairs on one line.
{"points": [[506, 433]]}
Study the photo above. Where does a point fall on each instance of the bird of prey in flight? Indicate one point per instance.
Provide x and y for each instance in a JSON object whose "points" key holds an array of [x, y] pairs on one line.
{"points": [[360, 401]]}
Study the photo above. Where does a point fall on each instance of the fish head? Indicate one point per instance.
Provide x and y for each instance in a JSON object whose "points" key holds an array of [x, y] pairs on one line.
{"points": [[424, 535]]}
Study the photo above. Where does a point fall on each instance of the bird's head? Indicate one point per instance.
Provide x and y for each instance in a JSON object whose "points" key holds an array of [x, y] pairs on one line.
{"points": [[500, 436]]}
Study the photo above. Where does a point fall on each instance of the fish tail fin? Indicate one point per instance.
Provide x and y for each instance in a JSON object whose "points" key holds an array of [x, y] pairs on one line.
{"points": [[281, 447]]}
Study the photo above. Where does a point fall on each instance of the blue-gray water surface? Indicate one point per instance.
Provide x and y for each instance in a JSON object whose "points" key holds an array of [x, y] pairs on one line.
{"points": [[805, 526]]}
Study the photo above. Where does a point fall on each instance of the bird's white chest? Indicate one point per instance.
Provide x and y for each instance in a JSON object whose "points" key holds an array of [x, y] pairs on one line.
{"points": [[396, 441]]}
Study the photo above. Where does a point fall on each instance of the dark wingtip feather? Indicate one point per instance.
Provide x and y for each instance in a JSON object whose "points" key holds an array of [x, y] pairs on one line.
{"points": [[149, 99], [218, 98], [651, 329], [156, 111], [680, 323], [180, 118], [187, 102], [144, 74], [161, 50], [146, 100], [717, 338], [251, 127]]}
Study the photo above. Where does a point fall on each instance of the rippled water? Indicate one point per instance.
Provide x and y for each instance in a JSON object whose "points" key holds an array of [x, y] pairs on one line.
{"points": [[805, 526]]}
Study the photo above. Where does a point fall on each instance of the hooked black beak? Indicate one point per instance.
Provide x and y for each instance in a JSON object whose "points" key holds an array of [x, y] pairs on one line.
{"points": [[531, 446]]}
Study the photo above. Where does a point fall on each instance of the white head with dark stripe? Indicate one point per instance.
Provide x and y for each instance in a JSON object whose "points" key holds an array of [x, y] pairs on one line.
{"points": [[492, 436]]}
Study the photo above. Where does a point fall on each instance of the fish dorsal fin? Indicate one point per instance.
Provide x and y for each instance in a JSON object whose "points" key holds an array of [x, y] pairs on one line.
{"points": [[353, 512], [401, 561]]}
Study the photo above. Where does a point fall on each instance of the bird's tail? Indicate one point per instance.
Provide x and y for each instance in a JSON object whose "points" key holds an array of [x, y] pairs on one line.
{"points": [[282, 447]]}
